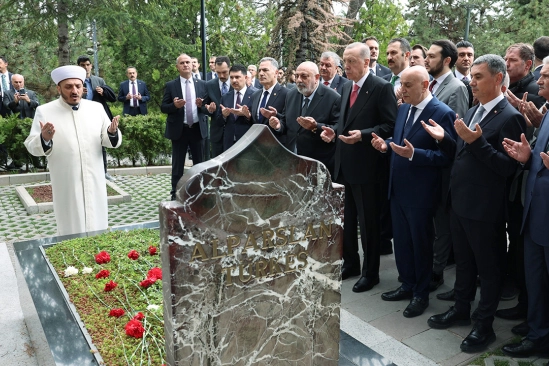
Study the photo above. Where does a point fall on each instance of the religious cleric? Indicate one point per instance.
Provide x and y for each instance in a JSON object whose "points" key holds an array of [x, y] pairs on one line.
{"points": [[70, 132]]}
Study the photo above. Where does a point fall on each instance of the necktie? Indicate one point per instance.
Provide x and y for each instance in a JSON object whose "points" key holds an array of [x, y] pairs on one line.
{"points": [[224, 89], [89, 93], [238, 102], [188, 103], [305, 107], [74, 107], [354, 94], [373, 71], [4, 83], [409, 121], [465, 79], [432, 85], [134, 93], [477, 117], [326, 83], [262, 105], [394, 79]]}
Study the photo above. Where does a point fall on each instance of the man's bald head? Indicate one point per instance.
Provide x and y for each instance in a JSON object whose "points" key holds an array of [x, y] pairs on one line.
{"points": [[414, 85], [18, 81], [306, 77]]}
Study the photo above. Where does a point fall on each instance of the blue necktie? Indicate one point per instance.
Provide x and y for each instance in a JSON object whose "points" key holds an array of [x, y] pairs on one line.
{"points": [[74, 107], [409, 122], [224, 89], [262, 105]]}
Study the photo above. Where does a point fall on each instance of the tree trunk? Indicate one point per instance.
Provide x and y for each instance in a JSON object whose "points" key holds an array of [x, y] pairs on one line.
{"points": [[352, 11], [63, 51]]}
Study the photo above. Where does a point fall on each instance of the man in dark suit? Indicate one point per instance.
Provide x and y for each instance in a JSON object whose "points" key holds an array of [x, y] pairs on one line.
{"points": [[466, 56], [215, 89], [270, 100], [368, 104], [478, 201], [536, 231], [5, 84], [309, 106], [97, 90], [134, 94], [197, 74], [398, 59], [234, 112], [414, 186], [185, 123], [211, 74], [328, 71], [22, 102], [541, 50], [520, 58], [375, 67], [252, 69]]}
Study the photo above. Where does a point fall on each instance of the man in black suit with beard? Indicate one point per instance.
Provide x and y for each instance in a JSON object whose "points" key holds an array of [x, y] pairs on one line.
{"points": [[368, 104]]}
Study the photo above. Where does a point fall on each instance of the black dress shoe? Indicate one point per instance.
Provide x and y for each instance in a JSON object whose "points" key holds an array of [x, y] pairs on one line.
{"points": [[173, 197], [525, 348], [479, 338], [365, 284], [521, 329], [416, 307], [449, 318], [514, 313], [437, 279], [397, 295], [447, 296], [349, 272]]}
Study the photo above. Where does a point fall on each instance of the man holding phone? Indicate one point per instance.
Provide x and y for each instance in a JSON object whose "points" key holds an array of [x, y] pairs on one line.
{"points": [[21, 102]]}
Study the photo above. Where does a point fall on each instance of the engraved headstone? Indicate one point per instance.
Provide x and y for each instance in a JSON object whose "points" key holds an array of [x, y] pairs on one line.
{"points": [[251, 259]]}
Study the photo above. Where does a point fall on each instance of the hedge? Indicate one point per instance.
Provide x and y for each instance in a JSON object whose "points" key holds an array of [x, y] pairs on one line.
{"points": [[143, 139]]}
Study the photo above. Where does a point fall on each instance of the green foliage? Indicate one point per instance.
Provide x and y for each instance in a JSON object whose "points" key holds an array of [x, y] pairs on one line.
{"points": [[13, 133]]}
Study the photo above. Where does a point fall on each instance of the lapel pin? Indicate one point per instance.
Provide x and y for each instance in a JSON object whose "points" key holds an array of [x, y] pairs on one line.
{"points": [[274, 93]]}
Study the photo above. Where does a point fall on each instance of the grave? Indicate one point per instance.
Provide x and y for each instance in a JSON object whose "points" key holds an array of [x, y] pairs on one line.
{"points": [[251, 259]]}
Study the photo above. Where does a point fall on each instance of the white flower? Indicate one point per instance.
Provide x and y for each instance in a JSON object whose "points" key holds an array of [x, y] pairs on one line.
{"points": [[153, 307], [71, 271], [87, 270]]}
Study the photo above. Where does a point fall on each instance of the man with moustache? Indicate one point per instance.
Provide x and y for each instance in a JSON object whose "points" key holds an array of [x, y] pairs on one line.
{"points": [[235, 107], [478, 199], [134, 94], [375, 67], [398, 59], [309, 107], [185, 123], [368, 104], [328, 71], [414, 186], [70, 131]]}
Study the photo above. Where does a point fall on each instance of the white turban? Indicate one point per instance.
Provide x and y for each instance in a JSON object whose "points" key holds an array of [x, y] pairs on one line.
{"points": [[68, 72]]}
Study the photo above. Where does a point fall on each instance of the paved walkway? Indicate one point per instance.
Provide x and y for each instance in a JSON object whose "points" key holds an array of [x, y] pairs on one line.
{"points": [[365, 317]]}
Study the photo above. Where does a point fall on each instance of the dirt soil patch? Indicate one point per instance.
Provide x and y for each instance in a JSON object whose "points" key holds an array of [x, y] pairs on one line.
{"points": [[41, 194]]}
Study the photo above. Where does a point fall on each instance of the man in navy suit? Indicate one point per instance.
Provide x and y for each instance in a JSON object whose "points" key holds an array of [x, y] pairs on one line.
{"points": [[5, 84], [535, 230], [134, 94], [215, 89], [270, 100], [197, 74], [478, 201], [375, 67], [368, 104], [185, 123], [234, 109], [414, 186], [328, 71], [211, 74], [252, 69], [309, 106]]}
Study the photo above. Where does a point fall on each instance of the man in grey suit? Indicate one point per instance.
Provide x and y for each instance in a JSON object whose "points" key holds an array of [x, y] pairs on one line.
{"points": [[21, 101], [441, 57], [328, 71]]}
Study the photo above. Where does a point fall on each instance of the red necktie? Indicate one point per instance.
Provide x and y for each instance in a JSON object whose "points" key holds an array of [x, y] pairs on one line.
{"points": [[432, 85], [354, 94], [326, 83]]}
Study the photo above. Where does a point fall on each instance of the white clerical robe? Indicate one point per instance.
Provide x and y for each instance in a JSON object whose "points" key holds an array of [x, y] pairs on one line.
{"points": [[75, 161]]}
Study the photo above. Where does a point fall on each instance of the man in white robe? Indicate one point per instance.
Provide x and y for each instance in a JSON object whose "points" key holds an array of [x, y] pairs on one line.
{"points": [[70, 132]]}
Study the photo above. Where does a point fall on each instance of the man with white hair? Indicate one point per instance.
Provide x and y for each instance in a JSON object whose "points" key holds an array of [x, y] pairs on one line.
{"points": [[70, 131], [329, 61], [309, 106]]}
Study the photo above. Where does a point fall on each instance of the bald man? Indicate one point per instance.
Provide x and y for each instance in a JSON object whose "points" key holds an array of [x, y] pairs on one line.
{"points": [[414, 186], [309, 106], [20, 101]]}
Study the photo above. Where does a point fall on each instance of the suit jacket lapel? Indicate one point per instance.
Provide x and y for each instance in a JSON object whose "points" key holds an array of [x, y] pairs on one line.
{"points": [[360, 102], [424, 116], [493, 113], [319, 94]]}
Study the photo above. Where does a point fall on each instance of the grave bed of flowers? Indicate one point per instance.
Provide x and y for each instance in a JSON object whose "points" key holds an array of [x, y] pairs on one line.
{"points": [[115, 282]]}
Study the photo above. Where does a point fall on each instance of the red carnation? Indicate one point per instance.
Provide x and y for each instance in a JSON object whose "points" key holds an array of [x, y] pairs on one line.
{"points": [[117, 312], [133, 254], [109, 286], [152, 250], [139, 316], [147, 282], [134, 328], [155, 273], [104, 273], [102, 257]]}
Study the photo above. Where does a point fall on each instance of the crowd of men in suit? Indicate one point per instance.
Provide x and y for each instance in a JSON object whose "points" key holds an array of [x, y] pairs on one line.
{"points": [[23, 102], [451, 148]]}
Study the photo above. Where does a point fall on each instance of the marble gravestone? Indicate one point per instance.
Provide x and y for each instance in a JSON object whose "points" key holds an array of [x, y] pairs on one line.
{"points": [[251, 259]]}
